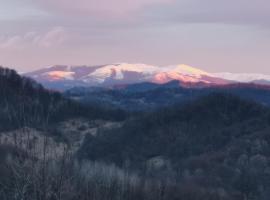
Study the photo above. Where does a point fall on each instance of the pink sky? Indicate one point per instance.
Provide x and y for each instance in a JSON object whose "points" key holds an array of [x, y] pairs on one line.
{"points": [[223, 35]]}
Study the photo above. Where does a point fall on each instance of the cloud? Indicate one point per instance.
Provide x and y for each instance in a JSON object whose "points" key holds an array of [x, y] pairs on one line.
{"points": [[208, 33], [54, 37], [98, 8], [18, 9], [245, 12], [10, 42], [156, 12]]}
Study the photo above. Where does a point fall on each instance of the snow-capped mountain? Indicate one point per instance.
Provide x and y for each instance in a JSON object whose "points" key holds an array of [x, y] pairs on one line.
{"points": [[124, 73], [244, 77]]}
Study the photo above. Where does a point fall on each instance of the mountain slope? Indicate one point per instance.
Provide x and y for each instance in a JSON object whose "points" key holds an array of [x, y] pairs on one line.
{"points": [[123, 73], [66, 77]]}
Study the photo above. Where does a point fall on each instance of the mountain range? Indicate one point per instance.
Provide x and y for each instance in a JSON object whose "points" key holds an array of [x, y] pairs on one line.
{"points": [[66, 77], [142, 141]]}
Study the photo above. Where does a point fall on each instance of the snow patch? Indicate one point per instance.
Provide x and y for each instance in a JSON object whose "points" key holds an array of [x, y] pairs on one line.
{"points": [[242, 77], [60, 75]]}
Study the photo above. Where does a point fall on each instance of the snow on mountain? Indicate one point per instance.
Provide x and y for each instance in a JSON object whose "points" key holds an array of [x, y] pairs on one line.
{"points": [[182, 73], [59, 75], [242, 77], [121, 73], [186, 70], [125, 73], [117, 71]]}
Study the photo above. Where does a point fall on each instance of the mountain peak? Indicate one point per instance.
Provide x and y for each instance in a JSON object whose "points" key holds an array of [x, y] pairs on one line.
{"points": [[182, 72], [188, 70]]}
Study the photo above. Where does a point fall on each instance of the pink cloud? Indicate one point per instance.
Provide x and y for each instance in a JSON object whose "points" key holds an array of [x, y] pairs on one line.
{"points": [[98, 7], [11, 42], [54, 37]]}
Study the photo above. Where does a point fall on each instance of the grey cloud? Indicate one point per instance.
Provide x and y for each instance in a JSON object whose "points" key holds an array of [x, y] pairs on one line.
{"points": [[214, 34], [95, 8], [246, 12]]}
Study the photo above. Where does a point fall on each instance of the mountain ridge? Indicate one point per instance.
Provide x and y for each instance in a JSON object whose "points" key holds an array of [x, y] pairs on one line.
{"points": [[124, 73]]}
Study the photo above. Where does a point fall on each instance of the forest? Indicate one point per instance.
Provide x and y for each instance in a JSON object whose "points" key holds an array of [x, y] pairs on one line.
{"points": [[215, 146]]}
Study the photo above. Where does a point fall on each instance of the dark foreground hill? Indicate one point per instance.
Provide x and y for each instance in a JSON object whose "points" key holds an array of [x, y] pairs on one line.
{"points": [[24, 102], [220, 142]]}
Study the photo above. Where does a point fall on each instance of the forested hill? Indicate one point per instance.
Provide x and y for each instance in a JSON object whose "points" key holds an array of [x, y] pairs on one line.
{"points": [[149, 96], [217, 143], [215, 123], [216, 146], [24, 102]]}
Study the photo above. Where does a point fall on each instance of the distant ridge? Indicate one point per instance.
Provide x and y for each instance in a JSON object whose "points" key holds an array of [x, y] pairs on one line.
{"points": [[66, 77]]}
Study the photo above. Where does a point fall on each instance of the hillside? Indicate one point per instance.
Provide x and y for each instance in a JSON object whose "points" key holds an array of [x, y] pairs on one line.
{"points": [[207, 124], [213, 143], [24, 102]]}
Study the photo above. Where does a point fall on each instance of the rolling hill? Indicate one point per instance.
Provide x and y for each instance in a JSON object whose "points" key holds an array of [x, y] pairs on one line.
{"points": [[217, 143]]}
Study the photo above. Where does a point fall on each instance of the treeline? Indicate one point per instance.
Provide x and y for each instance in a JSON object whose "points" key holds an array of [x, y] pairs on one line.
{"points": [[64, 178], [150, 96]]}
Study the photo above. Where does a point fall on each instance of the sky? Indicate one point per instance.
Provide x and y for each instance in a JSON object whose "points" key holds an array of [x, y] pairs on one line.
{"points": [[214, 35]]}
